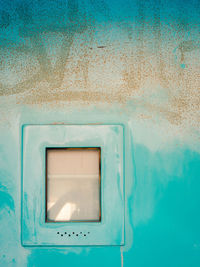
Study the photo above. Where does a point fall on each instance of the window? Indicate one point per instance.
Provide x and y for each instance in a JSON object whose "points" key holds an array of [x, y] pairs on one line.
{"points": [[73, 184]]}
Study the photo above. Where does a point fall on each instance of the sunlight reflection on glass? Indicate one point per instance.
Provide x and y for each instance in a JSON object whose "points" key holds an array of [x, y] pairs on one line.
{"points": [[66, 212]]}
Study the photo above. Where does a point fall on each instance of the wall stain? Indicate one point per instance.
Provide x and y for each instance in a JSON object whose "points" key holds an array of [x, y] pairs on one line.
{"points": [[112, 72]]}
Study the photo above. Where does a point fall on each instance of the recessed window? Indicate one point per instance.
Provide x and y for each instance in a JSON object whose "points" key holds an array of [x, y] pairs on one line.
{"points": [[73, 183]]}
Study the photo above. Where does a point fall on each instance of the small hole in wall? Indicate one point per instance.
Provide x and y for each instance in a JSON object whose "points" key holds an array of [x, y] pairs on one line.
{"points": [[57, 233], [73, 234]]}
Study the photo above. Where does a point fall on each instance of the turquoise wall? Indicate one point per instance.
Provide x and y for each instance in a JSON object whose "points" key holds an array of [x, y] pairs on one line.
{"points": [[129, 62]]}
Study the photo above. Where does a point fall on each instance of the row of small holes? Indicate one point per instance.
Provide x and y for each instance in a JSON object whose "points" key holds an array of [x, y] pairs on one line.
{"points": [[73, 233]]}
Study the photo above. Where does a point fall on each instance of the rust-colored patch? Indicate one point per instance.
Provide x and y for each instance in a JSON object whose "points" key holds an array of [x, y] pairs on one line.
{"points": [[156, 73]]}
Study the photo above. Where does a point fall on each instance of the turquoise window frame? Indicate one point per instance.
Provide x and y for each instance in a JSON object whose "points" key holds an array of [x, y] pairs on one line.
{"points": [[108, 231]]}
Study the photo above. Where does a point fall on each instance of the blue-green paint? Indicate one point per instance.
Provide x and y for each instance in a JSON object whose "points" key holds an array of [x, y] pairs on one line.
{"points": [[161, 205], [108, 62], [110, 230]]}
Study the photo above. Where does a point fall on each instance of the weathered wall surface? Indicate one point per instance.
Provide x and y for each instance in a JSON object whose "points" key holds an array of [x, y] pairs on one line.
{"points": [[101, 61]]}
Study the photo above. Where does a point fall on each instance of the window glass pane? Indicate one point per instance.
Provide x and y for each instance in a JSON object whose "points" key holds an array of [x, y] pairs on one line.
{"points": [[73, 184]]}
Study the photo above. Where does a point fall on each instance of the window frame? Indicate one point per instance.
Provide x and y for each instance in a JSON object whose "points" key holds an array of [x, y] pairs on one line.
{"points": [[110, 230]]}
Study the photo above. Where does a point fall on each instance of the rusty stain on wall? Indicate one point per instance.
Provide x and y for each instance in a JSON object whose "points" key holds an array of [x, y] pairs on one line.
{"points": [[149, 64]]}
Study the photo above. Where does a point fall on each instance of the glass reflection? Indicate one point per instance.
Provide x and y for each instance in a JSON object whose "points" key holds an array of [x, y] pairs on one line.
{"points": [[73, 184]]}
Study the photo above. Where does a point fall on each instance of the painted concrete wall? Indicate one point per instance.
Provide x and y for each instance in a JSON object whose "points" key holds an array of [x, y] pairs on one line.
{"points": [[105, 61]]}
